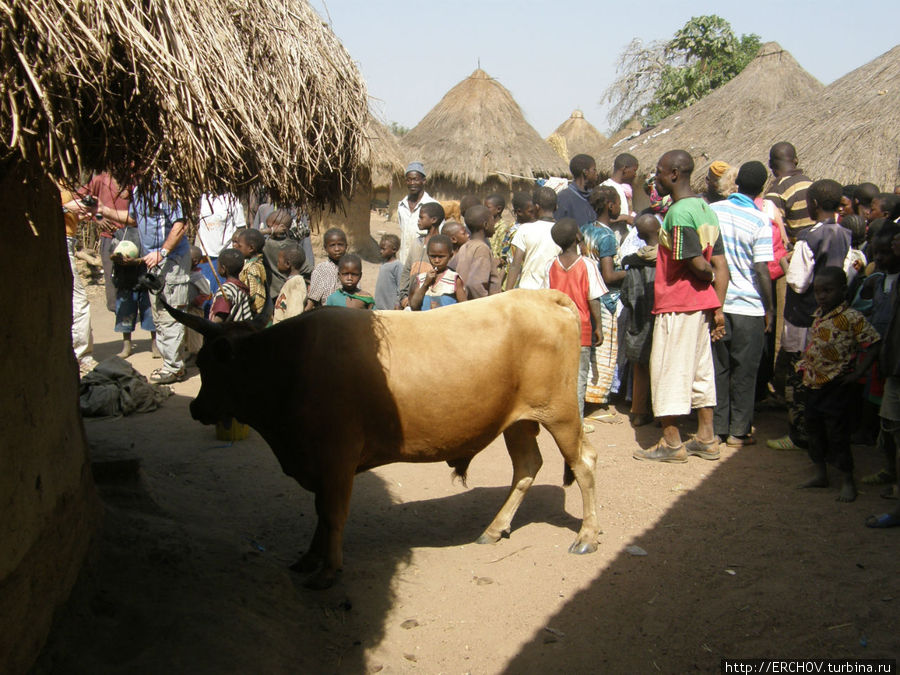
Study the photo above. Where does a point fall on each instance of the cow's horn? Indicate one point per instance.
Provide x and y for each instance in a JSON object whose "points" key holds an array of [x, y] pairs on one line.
{"points": [[205, 327]]}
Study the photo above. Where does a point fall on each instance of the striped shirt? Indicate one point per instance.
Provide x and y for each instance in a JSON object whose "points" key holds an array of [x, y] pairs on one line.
{"points": [[747, 238], [789, 196]]}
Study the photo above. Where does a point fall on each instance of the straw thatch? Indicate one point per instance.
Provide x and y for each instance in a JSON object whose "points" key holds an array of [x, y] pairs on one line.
{"points": [[581, 136], [475, 137], [728, 117], [383, 157], [849, 133], [209, 95]]}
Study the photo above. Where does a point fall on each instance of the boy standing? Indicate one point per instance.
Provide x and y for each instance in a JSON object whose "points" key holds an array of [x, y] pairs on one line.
{"points": [[387, 288], [349, 294], [474, 262], [579, 278], [838, 335], [431, 216], [532, 245], [292, 298], [232, 301], [250, 243], [324, 280], [439, 286]]}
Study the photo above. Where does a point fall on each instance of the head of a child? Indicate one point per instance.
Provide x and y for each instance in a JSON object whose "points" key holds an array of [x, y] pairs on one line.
{"points": [[496, 203], [479, 221], [751, 178], [196, 256], [605, 201], [544, 199], [291, 259], [857, 226], [350, 272], [829, 288], [335, 243], [823, 198], [389, 245], [466, 202], [440, 249], [862, 199], [456, 232], [885, 258], [524, 208], [883, 205], [565, 234], [250, 242], [231, 262], [647, 226], [430, 216], [278, 222], [236, 236], [847, 194]]}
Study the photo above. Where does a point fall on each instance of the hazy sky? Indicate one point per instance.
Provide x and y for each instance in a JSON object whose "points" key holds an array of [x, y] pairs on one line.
{"points": [[555, 57]]}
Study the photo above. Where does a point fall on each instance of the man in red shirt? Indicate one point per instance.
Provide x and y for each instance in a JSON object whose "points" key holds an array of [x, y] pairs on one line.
{"points": [[691, 281], [111, 215]]}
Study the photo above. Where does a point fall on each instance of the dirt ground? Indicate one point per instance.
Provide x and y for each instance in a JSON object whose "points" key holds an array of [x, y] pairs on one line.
{"points": [[190, 571]]}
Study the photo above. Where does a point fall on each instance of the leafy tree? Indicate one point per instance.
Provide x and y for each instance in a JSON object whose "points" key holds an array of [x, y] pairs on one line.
{"points": [[660, 78], [398, 129]]}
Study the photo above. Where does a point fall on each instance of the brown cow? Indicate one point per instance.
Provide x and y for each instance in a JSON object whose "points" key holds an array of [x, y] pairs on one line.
{"points": [[338, 391]]}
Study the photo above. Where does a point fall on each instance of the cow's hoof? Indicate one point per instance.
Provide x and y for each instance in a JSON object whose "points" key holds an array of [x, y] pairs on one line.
{"points": [[307, 564], [581, 547], [486, 538], [320, 580]]}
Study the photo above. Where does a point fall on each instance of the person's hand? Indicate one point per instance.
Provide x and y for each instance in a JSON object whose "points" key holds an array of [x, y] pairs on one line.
{"points": [[717, 330], [770, 322], [430, 276], [153, 259], [598, 337], [404, 303]]}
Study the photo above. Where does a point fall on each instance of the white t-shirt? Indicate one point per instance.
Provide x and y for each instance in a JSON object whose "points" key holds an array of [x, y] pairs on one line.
{"points": [[220, 215], [623, 198], [534, 239]]}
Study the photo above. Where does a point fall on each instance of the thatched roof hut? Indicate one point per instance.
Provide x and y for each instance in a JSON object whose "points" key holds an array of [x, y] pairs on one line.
{"points": [[728, 117], [112, 85], [850, 132], [581, 136], [477, 140]]}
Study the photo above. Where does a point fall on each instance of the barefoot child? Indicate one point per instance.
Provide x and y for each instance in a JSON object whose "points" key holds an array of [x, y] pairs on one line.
{"points": [[579, 278], [839, 334], [387, 288], [439, 286], [292, 298], [232, 301], [324, 280], [349, 294], [250, 243]]}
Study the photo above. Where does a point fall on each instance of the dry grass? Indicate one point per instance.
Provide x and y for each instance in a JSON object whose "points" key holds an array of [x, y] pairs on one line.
{"points": [[210, 95], [581, 136]]}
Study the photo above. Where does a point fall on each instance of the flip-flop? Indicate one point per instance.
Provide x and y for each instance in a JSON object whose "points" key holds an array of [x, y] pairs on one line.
{"points": [[607, 418], [883, 520], [783, 443]]}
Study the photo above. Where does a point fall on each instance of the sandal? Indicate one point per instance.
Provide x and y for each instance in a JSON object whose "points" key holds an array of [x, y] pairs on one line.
{"points": [[160, 376], [783, 443], [882, 521]]}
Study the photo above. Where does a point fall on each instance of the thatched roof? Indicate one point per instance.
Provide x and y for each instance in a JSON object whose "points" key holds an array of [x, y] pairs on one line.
{"points": [[477, 131], [208, 94], [581, 136], [727, 117], [383, 158], [850, 133]]}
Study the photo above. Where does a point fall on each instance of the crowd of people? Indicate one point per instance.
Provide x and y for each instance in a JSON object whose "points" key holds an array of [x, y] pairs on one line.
{"points": [[679, 303]]}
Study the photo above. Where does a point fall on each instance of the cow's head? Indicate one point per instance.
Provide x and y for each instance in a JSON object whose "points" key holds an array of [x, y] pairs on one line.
{"points": [[219, 373]]}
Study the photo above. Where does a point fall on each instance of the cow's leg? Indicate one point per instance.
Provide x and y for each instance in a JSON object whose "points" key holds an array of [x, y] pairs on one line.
{"points": [[582, 459], [310, 561], [332, 507], [521, 443]]}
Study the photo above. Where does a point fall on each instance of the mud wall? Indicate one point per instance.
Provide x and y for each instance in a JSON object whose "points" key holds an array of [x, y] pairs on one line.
{"points": [[48, 507], [352, 216]]}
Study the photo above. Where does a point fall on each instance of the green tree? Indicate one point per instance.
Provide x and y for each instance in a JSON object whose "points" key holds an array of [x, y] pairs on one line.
{"points": [[660, 78], [398, 129]]}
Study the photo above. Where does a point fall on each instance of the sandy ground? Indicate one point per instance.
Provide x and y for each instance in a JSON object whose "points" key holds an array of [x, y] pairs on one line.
{"points": [[189, 572]]}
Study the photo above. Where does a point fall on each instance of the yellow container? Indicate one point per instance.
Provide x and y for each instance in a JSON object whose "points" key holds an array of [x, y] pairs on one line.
{"points": [[231, 431]]}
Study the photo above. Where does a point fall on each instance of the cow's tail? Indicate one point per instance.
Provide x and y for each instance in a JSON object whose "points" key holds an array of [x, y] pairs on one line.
{"points": [[568, 475]]}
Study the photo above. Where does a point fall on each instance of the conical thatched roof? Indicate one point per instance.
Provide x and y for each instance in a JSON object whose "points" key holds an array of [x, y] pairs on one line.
{"points": [[383, 158], [581, 136], [727, 117], [477, 131], [208, 94], [850, 132]]}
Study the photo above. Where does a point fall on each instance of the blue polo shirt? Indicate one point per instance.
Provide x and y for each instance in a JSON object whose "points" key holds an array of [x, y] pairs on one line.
{"points": [[154, 218]]}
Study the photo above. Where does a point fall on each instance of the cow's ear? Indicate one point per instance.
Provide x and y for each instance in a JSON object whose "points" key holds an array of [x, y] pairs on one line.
{"points": [[222, 350]]}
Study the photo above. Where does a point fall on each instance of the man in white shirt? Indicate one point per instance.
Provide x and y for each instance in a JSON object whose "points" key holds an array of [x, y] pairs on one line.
{"points": [[625, 168], [408, 209], [532, 246]]}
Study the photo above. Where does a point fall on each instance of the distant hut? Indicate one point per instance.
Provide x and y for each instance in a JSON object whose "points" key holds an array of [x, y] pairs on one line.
{"points": [[202, 93], [476, 140], [850, 133], [581, 136], [380, 168], [717, 126]]}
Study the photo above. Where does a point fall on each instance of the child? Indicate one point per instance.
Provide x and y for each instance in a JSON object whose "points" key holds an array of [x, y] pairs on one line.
{"points": [[198, 295], [232, 301], [324, 280], [637, 297], [837, 337], [387, 288], [496, 204], [250, 244], [349, 294], [292, 298], [132, 304], [439, 286], [474, 262], [579, 278], [277, 224], [431, 217]]}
